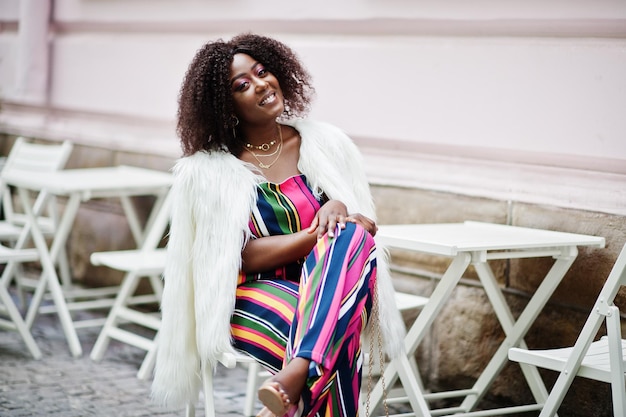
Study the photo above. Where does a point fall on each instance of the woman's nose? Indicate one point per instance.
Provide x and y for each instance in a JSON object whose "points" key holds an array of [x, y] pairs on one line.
{"points": [[261, 84]]}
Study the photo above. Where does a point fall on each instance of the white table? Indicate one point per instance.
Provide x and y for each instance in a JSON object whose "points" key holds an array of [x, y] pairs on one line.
{"points": [[80, 185], [477, 243]]}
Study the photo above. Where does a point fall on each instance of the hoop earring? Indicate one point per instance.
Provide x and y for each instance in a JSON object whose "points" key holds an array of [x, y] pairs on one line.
{"points": [[235, 121]]}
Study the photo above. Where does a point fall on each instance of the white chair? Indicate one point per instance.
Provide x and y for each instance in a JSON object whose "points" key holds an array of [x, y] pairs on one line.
{"points": [[25, 156], [14, 229], [137, 264], [7, 305], [148, 261], [602, 360]]}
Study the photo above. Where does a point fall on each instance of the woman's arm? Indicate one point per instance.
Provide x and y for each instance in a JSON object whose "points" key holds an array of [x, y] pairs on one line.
{"points": [[266, 253], [269, 252]]}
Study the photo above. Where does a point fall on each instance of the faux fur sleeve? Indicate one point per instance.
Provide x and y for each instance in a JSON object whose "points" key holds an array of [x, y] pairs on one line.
{"points": [[212, 198]]}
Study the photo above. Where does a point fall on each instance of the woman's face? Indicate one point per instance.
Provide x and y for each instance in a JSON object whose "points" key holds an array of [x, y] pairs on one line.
{"points": [[257, 96]]}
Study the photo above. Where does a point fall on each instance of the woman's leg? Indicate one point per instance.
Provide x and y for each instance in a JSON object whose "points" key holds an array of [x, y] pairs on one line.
{"points": [[263, 314], [334, 303], [337, 281]]}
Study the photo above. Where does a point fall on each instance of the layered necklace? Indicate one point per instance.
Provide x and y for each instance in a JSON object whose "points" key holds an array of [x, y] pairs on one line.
{"points": [[266, 147]]}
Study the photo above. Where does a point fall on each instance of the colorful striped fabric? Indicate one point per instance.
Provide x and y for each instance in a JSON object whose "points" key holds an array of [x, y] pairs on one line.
{"points": [[282, 209], [314, 309]]}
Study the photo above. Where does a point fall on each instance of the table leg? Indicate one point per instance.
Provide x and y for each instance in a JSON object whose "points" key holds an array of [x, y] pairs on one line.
{"points": [[515, 331], [10, 268], [163, 198], [16, 318], [133, 219], [400, 367], [51, 278], [60, 237], [139, 233]]}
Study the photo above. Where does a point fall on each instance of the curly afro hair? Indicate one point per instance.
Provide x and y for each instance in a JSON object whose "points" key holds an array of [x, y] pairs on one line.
{"points": [[205, 104]]}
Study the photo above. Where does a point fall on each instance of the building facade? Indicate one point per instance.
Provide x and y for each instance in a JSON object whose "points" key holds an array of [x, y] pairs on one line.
{"points": [[510, 112]]}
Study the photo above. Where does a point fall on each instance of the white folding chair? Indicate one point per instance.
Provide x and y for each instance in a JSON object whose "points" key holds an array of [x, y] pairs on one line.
{"points": [[602, 360], [25, 156], [7, 305], [148, 261]]}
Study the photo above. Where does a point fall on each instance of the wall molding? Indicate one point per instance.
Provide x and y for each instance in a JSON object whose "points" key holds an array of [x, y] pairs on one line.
{"points": [[131, 134], [388, 163], [532, 27], [499, 180]]}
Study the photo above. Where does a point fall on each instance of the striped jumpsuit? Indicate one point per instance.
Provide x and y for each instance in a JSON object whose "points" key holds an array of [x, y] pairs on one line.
{"points": [[315, 308]]}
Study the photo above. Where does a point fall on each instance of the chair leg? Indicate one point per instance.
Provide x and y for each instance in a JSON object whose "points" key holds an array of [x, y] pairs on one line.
{"points": [[149, 360], [19, 285], [157, 286], [207, 383], [17, 274], [129, 284], [64, 268], [63, 271], [616, 359], [19, 323], [36, 300], [254, 371]]}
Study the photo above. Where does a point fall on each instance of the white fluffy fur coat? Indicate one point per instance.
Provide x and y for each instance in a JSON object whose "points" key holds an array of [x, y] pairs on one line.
{"points": [[213, 194]]}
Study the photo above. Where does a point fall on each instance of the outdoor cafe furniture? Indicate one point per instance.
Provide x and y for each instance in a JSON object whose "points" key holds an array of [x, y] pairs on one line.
{"points": [[42, 159], [600, 360], [477, 243], [80, 185]]}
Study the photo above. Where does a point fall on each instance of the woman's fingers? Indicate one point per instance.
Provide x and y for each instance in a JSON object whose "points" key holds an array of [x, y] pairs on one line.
{"points": [[326, 223], [341, 220], [365, 222], [332, 214], [331, 223]]}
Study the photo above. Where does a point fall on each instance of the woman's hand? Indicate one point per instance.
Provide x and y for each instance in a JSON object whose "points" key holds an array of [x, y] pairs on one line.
{"points": [[331, 214], [334, 213], [270, 252]]}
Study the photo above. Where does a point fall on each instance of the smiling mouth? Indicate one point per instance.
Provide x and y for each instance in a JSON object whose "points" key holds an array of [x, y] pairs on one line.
{"points": [[270, 98]]}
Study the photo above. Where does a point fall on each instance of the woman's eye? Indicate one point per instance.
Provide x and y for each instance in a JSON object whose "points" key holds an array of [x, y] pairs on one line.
{"points": [[262, 72], [242, 86]]}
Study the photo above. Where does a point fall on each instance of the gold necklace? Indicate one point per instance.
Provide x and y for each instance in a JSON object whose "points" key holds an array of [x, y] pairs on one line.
{"points": [[262, 147], [278, 149], [267, 154]]}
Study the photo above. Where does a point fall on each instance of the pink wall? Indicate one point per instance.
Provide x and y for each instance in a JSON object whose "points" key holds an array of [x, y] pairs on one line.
{"points": [[516, 101]]}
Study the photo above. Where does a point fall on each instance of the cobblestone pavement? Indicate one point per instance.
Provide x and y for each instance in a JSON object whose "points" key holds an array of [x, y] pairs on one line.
{"points": [[60, 385]]}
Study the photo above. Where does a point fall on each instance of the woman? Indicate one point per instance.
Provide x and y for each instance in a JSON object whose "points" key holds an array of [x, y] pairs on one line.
{"points": [[271, 246]]}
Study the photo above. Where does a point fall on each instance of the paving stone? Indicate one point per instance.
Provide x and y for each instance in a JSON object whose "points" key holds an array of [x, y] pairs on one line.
{"points": [[59, 385]]}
